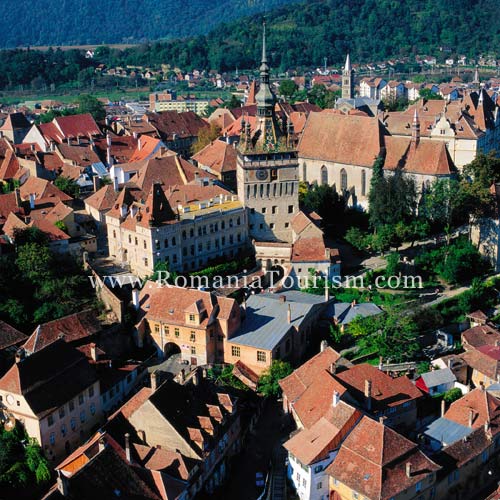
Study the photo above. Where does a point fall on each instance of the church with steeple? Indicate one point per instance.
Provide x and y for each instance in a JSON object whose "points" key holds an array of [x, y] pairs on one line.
{"points": [[267, 166], [349, 102]]}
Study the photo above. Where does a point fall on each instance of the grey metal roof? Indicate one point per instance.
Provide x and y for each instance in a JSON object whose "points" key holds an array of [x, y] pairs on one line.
{"points": [[296, 296], [345, 312], [266, 321], [438, 377], [446, 431]]}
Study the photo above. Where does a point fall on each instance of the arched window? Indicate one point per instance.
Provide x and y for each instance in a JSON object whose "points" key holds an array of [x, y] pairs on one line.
{"points": [[343, 180], [166, 243], [304, 172], [363, 183], [324, 176]]}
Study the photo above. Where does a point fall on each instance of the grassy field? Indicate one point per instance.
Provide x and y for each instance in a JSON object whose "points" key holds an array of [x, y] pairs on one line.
{"points": [[68, 97]]}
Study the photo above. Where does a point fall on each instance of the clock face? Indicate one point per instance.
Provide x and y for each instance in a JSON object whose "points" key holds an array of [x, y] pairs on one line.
{"points": [[10, 399], [261, 174]]}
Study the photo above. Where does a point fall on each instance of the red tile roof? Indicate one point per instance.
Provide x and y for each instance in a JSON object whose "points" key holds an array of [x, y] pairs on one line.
{"points": [[9, 336], [73, 126], [372, 461], [69, 328], [387, 392], [484, 407], [42, 188], [103, 199], [310, 250]]}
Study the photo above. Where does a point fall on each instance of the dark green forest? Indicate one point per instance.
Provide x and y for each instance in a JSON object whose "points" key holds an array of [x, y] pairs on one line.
{"points": [[77, 22], [299, 35]]}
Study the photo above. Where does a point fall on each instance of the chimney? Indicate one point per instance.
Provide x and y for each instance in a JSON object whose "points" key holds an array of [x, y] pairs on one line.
{"points": [[102, 444], [333, 368], [336, 398], [32, 201], [380, 363], [471, 417], [368, 394], [154, 381], [135, 298], [486, 426], [127, 448], [20, 354], [408, 469], [289, 314], [97, 183], [135, 135], [323, 345], [449, 363], [443, 407], [62, 484], [116, 186], [93, 351], [17, 193]]}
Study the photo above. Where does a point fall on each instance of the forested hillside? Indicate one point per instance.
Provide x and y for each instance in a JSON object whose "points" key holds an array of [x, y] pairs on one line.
{"points": [[70, 22], [298, 35], [306, 33]]}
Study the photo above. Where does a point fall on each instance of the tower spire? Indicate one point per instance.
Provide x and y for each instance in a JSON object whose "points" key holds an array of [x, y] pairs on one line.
{"points": [[347, 66], [347, 79], [264, 52]]}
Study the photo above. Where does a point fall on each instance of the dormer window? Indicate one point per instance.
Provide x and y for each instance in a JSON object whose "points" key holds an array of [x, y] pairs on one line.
{"points": [[192, 318]]}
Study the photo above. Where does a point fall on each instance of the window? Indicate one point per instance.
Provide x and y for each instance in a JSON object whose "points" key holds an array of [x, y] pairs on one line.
{"points": [[157, 244], [318, 468], [146, 262], [176, 332], [274, 174], [91, 392], [73, 424], [52, 438], [290, 209], [173, 241], [193, 350], [263, 210], [304, 482], [157, 328], [71, 405], [274, 209], [363, 183], [50, 420], [235, 351], [319, 485], [166, 330], [82, 416], [298, 477], [129, 238], [61, 412], [418, 486], [287, 225], [343, 180], [63, 430], [304, 172], [165, 243], [271, 226], [145, 245], [324, 176], [261, 356], [92, 409], [192, 337], [191, 317]]}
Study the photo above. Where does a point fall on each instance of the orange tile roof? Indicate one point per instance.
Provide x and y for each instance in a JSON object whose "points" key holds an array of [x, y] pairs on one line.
{"points": [[484, 407], [297, 382], [218, 155], [343, 139], [103, 199], [309, 250], [146, 149], [42, 189]]}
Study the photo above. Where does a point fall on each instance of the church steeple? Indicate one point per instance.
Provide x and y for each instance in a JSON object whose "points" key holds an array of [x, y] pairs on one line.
{"points": [[347, 80], [265, 97]]}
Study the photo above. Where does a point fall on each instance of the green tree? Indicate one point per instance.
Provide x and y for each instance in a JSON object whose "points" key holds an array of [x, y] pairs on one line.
{"points": [[287, 88], [89, 104], [325, 201], [428, 95], [205, 137], [393, 264], [392, 199], [61, 225], [268, 381], [68, 186], [452, 395], [34, 261]]}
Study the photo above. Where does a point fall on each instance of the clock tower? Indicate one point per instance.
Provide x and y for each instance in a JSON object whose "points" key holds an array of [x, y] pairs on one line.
{"points": [[267, 166]]}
